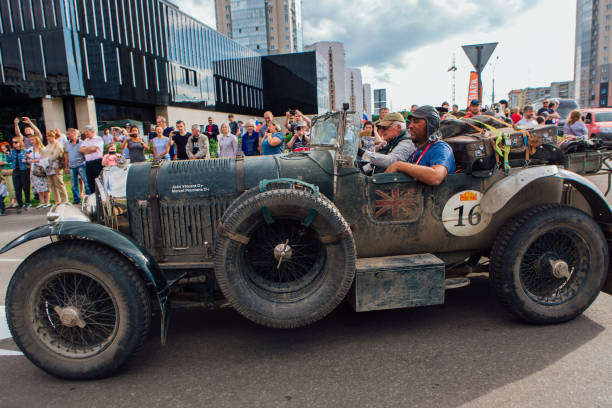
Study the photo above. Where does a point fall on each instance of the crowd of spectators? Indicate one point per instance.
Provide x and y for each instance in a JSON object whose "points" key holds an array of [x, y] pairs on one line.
{"points": [[35, 165]]}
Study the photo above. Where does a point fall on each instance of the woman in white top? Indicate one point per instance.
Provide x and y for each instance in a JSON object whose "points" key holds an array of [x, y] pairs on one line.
{"points": [[39, 184], [228, 144]]}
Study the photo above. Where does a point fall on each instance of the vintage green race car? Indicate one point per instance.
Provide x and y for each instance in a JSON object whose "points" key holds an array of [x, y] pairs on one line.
{"points": [[284, 239]]}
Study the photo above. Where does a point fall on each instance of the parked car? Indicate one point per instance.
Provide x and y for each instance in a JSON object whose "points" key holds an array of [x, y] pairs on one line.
{"points": [[598, 121], [284, 239]]}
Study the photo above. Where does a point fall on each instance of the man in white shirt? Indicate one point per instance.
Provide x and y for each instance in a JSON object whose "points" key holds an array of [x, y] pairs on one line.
{"points": [[528, 120], [93, 148]]}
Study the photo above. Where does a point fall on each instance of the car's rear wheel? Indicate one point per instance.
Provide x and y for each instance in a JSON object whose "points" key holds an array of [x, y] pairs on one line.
{"points": [[550, 264], [284, 258], [77, 310]]}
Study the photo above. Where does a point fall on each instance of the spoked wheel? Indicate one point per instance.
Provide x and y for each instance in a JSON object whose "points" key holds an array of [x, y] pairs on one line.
{"points": [[284, 258], [75, 313], [77, 310], [550, 264], [554, 267]]}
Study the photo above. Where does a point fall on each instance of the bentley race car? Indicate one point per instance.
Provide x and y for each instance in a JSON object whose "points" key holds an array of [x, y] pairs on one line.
{"points": [[284, 239]]}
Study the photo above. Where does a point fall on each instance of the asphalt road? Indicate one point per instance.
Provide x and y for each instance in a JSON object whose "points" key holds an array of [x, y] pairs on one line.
{"points": [[468, 352]]}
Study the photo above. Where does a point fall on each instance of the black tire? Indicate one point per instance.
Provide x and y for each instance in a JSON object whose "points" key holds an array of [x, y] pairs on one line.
{"points": [[523, 256], [253, 191], [110, 298], [305, 287]]}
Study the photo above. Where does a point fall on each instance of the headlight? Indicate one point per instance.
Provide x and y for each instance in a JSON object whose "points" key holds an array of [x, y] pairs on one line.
{"points": [[89, 206]]}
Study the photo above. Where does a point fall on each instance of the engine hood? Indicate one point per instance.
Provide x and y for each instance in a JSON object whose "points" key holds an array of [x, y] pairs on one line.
{"points": [[173, 209]]}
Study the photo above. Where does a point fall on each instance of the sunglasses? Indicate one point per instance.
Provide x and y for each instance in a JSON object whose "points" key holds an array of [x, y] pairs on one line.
{"points": [[381, 127], [16, 142]]}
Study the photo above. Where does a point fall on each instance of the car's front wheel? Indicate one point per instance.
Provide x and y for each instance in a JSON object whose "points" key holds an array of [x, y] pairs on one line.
{"points": [[77, 310], [550, 264]]}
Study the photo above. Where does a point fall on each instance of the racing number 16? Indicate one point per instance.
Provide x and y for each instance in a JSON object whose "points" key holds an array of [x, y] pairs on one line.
{"points": [[474, 217]]}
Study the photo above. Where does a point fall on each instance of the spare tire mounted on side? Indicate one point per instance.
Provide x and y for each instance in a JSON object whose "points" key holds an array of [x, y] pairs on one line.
{"points": [[284, 258]]}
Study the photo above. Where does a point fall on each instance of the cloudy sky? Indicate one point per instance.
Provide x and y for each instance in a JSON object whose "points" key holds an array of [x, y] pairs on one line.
{"points": [[407, 46]]}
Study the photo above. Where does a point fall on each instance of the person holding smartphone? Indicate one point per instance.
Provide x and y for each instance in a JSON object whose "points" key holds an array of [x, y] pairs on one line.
{"points": [[135, 145], [272, 141]]}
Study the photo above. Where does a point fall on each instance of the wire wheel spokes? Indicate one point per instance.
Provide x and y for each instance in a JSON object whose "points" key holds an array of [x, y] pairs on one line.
{"points": [[539, 272], [74, 314], [284, 256]]}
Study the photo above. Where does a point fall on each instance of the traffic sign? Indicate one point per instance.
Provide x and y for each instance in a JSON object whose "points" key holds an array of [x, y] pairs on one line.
{"points": [[479, 54]]}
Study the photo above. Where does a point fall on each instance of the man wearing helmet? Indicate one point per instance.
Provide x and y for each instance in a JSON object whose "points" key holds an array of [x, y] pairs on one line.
{"points": [[433, 159]]}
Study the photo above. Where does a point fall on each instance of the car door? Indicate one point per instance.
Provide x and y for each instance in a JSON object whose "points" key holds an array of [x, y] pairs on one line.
{"points": [[394, 198]]}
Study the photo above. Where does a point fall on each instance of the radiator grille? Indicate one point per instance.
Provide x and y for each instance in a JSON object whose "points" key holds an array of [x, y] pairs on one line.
{"points": [[184, 225]]}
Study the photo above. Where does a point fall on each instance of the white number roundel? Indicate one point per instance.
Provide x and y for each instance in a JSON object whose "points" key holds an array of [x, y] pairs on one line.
{"points": [[462, 215]]}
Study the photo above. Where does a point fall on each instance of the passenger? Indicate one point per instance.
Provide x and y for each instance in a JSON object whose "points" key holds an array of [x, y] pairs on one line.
{"points": [[399, 147], [433, 160]]}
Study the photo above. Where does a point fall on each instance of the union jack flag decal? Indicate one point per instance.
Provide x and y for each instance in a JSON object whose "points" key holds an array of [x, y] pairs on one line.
{"points": [[394, 202]]}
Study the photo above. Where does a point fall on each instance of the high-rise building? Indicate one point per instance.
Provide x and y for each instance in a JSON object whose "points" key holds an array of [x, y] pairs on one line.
{"points": [[592, 54], [333, 51], [265, 26], [380, 100], [354, 89], [367, 100], [70, 64]]}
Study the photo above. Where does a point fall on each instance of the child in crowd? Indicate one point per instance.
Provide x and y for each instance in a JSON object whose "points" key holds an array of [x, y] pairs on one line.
{"points": [[111, 158]]}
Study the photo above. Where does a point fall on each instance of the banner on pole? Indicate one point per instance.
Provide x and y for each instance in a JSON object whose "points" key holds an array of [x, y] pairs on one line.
{"points": [[472, 87]]}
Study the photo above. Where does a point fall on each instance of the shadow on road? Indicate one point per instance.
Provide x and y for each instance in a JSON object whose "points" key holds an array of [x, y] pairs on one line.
{"points": [[436, 356]]}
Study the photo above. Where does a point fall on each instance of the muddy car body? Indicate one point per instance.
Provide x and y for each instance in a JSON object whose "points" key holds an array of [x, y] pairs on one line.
{"points": [[284, 239]]}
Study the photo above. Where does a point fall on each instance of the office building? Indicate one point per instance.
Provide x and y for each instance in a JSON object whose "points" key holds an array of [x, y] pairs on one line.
{"points": [[592, 53], [333, 51], [267, 27], [69, 64], [367, 100], [380, 100]]}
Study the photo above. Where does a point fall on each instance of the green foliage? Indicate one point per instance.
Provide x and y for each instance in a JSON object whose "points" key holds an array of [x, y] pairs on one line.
{"points": [[213, 148]]}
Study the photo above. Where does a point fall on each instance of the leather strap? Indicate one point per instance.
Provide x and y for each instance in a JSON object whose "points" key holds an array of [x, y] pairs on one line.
{"points": [[239, 174], [155, 221]]}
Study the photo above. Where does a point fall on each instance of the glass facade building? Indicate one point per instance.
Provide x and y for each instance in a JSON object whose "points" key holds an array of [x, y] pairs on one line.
{"points": [[128, 55], [380, 100]]}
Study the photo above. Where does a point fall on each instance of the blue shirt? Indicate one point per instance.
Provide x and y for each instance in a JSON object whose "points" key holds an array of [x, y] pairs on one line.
{"points": [[266, 149], [75, 159], [250, 144], [438, 153], [15, 159]]}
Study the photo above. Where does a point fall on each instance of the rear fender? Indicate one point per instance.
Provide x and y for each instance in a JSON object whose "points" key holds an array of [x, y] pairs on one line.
{"points": [[143, 261]]}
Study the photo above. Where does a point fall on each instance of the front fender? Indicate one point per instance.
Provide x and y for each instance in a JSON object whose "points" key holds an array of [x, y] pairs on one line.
{"points": [[79, 230]]}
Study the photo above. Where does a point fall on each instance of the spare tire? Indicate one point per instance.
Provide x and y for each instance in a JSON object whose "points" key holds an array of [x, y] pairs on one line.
{"points": [[284, 258]]}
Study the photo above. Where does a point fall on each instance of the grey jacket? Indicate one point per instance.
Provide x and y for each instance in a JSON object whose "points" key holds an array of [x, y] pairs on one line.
{"points": [[203, 145], [401, 152]]}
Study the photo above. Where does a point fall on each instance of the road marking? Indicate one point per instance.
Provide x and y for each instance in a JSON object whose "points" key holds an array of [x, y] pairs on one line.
{"points": [[6, 334], [11, 260]]}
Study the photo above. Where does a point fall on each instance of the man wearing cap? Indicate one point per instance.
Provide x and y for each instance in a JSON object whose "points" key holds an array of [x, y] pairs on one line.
{"points": [[473, 109], [392, 128], [433, 160]]}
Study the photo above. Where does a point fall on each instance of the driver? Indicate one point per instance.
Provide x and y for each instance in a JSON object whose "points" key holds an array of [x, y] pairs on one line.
{"points": [[434, 158], [398, 147]]}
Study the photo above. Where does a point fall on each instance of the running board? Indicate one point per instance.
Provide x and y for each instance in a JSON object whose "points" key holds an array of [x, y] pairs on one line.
{"points": [[393, 282]]}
